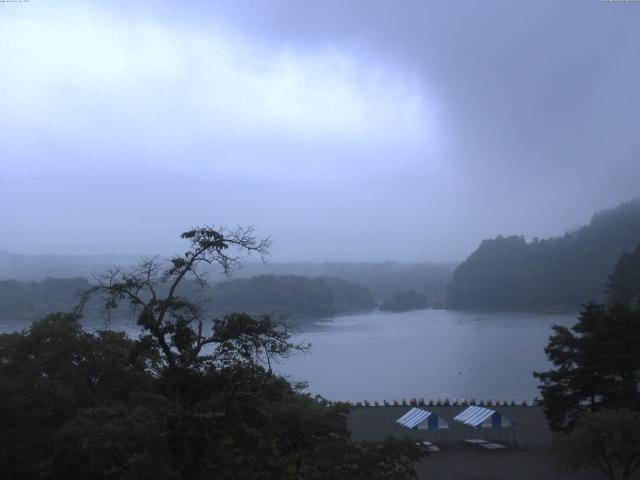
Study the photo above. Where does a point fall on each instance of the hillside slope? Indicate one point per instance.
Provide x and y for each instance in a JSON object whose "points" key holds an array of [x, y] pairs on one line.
{"points": [[567, 271]]}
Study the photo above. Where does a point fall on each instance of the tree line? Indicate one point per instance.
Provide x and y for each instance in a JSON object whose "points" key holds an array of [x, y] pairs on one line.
{"points": [[191, 398], [562, 272], [291, 296], [592, 395]]}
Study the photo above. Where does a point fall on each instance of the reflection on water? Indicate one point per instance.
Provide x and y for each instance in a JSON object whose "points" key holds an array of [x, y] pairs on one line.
{"points": [[426, 353]]}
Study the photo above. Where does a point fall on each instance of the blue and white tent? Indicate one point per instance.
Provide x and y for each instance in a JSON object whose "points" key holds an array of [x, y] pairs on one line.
{"points": [[422, 420], [480, 417]]}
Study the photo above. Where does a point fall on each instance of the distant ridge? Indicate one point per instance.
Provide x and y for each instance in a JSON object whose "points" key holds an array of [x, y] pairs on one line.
{"points": [[383, 279], [559, 272], [16, 266]]}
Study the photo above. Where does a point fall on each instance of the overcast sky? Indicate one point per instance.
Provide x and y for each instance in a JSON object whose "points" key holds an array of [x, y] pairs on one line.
{"points": [[347, 130]]}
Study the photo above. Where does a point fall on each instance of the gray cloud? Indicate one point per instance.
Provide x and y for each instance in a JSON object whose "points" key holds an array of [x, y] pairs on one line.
{"points": [[347, 130]]}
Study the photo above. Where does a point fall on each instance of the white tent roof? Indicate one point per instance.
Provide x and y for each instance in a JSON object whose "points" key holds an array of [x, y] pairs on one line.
{"points": [[481, 417], [422, 420]]}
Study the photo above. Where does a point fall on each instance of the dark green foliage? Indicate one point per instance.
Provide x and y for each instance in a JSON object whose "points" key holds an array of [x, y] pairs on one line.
{"points": [[391, 460], [83, 406], [51, 373], [190, 399], [244, 340], [597, 365], [290, 296], [564, 272], [115, 440], [624, 282], [405, 301], [608, 441]]}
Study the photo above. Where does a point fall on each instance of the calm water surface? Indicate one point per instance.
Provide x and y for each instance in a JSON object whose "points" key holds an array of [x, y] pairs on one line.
{"points": [[426, 353]]}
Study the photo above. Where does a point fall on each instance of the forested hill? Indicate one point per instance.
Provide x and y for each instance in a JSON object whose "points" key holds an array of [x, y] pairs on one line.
{"points": [[29, 301], [563, 272], [290, 296], [624, 281], [382, 279]]}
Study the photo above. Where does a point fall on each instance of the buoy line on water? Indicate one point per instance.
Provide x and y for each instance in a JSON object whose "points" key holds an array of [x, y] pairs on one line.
{"points": [[495, 363]]}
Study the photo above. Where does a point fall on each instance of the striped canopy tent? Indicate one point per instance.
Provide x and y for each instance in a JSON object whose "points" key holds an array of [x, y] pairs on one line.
{"points": [[480, 417], [422, 420]]}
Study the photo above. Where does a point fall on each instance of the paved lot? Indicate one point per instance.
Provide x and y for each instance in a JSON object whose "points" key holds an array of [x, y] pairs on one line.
{"points": [[530, 454]]}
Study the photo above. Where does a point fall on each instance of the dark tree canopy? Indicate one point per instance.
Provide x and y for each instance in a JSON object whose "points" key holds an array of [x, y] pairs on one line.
{"points": [[608, 441], [597, 364], [624, 281], [191, 398], [171, 321]]}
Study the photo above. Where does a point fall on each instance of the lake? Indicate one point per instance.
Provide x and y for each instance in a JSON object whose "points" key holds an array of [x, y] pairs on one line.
{"points": [[426, 353]]}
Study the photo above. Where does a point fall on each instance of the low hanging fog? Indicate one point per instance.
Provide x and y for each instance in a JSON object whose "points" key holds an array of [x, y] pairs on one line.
{"points": [[361, 130], [312, 239]]}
